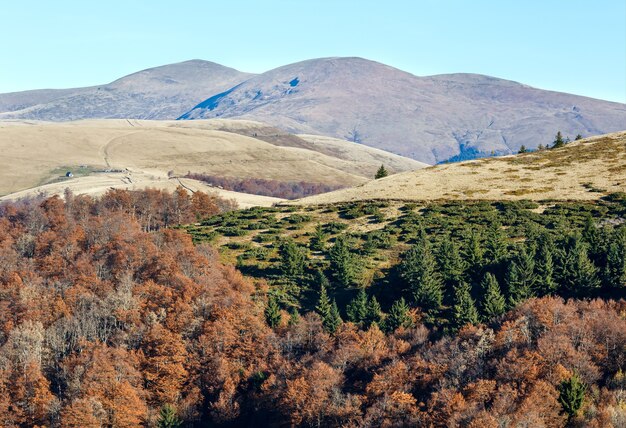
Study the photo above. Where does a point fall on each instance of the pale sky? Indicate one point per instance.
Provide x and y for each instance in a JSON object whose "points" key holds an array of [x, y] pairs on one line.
{"points": [[572, 46]]}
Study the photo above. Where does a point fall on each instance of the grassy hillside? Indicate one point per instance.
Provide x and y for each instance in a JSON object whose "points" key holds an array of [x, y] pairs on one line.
{"points": [[582, 170], [118, 153]]}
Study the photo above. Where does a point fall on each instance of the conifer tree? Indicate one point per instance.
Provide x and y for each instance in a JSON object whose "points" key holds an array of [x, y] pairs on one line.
{"points": [[398, 316], [544, 265], [578, 275], [343, 264], [321, 280], [294, 317], [464, 309], [572, 395], [292, 259], [357, 308], [615, 269], [558, 141], [493, 304], [450, 263], [168, 417], [323, 307], [522, 149], [578, 137], [374, 312], [521, 277], [381, 173], [418, 270], [496, 249], [473, 254], [272, 312], [318, 238], [333, 321]]}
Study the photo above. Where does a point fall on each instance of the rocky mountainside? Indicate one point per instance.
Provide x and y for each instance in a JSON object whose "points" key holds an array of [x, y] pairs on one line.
{"points": [[431, 119], [156, 93]]}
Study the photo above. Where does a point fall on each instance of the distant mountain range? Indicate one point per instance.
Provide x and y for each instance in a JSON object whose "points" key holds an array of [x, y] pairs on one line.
{"points": [[430, 119]]}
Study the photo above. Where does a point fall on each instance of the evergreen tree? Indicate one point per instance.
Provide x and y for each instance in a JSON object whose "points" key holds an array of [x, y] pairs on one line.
{"points": [[493, 304], [294, 317], [558, 141], [521, 277], [357, 308], [578, 137], [615, 269], [343, 264], [522, 149], [374, 312], [293, 259], [544, 265], [272, 312], [541, 147], [572, 395], [321, 281], [323, 307], [496, 249], [577, 273], [332, 323], [168, 417], [450, 263], [398, 316], [464, 309], [418, 270], [318, 238], [382, 172], [473, 254]]}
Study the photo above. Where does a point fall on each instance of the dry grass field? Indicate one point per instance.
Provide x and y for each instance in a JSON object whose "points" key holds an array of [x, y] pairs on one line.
{"points": [[136, 154], [582, 170]]}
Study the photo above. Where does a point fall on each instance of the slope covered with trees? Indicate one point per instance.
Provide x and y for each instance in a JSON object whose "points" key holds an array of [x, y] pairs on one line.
{"points": [[109, 317]]}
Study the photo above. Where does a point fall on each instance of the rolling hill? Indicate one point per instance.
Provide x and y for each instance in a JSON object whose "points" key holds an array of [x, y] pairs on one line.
{"points": [[156, 93], [138, 154], [431, 119], [582, 170]]}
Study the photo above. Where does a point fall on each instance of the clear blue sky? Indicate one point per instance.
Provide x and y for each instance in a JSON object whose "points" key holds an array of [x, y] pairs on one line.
{"points": [[566, 45]]}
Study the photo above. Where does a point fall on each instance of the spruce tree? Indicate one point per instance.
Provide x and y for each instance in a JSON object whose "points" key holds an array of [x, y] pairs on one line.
{"points": [[464, 309], [544, 265], [344, 265], [398, 316], [572, 395], [373, 313], [294, 317], [293, 259], [272, 312], [578, 137], [522, 149], [495, 244], [168, 417], [615, 270], [473, 254], [418, 270], [558, 141], [493, 304], [521, 277], [323, 307], [450, 263], [332, 323], [357, 308], [381, 173], [578, 274], [318, 239]]}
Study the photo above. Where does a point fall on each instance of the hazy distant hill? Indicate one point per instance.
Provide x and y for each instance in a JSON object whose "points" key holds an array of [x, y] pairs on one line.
{"points": [[156, 93], [430, 119]]}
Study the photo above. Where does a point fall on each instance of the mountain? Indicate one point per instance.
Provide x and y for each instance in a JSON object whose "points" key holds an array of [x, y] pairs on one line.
{"points": [[587, 169], [156, 93], [431, 119], [135, 154]]}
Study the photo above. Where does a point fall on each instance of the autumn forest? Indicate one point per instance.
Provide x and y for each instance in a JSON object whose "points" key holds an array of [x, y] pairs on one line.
{"points": [[145, 308]]}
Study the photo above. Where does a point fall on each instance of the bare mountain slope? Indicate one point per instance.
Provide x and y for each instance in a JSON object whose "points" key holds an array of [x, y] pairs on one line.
{"points": [[430, 119], [582, 170], [156, 93]]}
